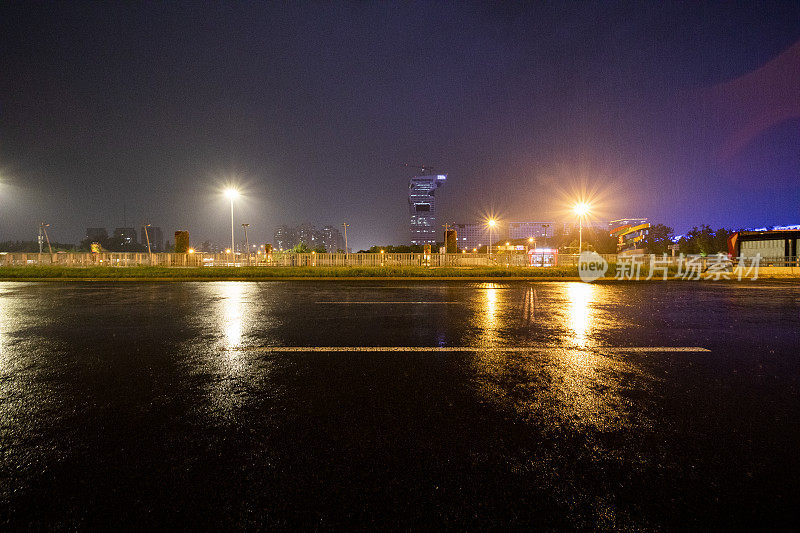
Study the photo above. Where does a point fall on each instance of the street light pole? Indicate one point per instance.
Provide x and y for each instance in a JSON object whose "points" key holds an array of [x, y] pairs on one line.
{"points": [[147, 238], [346, 225], [232, 193], [581, 209], [233, 248], [246, 242], [491, 223]]}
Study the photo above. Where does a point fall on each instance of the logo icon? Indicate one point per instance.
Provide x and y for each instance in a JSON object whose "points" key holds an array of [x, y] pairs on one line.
{"points": [[591, 266]]}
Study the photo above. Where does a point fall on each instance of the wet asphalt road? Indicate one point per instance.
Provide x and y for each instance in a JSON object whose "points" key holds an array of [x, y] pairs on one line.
{"points": [[155, 405]]}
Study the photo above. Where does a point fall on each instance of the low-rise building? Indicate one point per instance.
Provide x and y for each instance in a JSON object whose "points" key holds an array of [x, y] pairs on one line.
{"points": [[526, 230], [768, 244]]}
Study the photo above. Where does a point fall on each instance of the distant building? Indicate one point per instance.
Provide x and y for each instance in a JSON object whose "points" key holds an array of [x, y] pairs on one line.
{"points": [[126, 236], [156, 237], [332, 239], [308, 235], [769, 244], [450, 242], [285, 238], [526, 230], [96, 234], [182, 242], [470, 236], [422, 207], [208, 247]]}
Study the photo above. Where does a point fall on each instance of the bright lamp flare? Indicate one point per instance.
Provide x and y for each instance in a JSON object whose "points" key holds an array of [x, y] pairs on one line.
{"points": [[581, 209], [231, 193], [492, 222]]}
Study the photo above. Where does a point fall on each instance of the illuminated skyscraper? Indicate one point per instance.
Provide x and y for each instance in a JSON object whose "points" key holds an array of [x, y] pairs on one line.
{"points": [[422, 207]]}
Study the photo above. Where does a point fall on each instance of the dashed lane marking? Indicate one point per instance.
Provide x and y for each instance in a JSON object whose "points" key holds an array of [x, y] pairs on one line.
{"points": [[509, 349], [384, 303]]}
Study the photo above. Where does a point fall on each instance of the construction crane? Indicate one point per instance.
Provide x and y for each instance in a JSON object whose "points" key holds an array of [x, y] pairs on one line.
{"points": [[426, 170]]}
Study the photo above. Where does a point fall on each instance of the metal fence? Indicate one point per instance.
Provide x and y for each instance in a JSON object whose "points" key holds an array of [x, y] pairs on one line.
{"points": [[278, 259], [288, 259], [776, 261]]}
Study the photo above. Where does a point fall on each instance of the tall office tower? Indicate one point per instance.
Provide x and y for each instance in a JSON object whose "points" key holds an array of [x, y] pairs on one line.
{"points": [[127, 236], [307, 234], [96, 234], [285, 238], [156, 236], [332, 239], [422, 207]]}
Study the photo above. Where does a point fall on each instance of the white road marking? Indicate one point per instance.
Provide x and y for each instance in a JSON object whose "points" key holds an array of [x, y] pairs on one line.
{"points": [[509, 349], [382, 303]]}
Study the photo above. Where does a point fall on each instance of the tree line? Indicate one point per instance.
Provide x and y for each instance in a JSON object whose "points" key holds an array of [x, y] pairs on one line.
{"points": [[701, 240]]}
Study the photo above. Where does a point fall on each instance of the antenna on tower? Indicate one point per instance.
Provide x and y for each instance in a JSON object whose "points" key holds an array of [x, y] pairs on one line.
{"points": [[424, 168]]}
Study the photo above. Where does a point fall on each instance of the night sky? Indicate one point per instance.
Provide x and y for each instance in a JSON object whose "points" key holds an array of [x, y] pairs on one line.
{"points": [[132, 112]]}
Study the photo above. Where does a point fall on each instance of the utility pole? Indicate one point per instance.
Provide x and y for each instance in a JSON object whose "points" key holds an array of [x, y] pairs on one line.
{"points": [[246, 241], [346, 225], [233, 241], [42, 236], [147, 238]]}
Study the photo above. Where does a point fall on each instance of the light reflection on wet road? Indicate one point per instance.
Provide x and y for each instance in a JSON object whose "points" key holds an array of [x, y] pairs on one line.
{"points": [[154, 405]]}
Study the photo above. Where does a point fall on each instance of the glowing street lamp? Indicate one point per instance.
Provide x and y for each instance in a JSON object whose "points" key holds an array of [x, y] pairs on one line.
{"points": [[491, 223], [232, 194], [581, 209]]}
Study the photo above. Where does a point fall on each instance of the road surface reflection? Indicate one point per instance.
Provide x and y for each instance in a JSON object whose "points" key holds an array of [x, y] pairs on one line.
{"points": [[568, 382]]}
